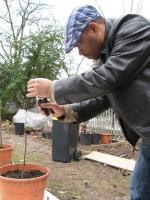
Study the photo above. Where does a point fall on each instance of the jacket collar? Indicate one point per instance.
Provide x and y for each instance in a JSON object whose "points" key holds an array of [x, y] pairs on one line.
{"points": [[108, 25], [104, 52]]}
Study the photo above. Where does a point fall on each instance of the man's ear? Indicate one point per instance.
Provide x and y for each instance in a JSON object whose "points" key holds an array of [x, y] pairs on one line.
{"points": [[93, 26]]}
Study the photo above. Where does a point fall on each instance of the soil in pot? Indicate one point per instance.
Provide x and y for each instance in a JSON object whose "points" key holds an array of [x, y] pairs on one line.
{"points": [[26, 188], [5, 154], [85, 138], [19, 174]]}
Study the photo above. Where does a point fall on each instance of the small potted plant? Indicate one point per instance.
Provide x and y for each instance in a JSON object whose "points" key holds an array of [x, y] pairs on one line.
{"points": [[23, 181], [5, 149]]}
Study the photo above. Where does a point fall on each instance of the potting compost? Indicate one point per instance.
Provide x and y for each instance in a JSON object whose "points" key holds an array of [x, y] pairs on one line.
{"points": [[19, 174]]}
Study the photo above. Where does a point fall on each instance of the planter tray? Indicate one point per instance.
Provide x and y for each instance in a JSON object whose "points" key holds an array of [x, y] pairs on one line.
{"points": [[114, 161], [49, 196]]}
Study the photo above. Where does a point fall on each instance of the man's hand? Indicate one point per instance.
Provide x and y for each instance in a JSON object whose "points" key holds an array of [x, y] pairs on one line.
{"points": [[58, 110], [40, 87]]}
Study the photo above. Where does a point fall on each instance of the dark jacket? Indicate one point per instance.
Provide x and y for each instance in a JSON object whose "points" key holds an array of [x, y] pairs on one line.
{"points": [[121, 82]]}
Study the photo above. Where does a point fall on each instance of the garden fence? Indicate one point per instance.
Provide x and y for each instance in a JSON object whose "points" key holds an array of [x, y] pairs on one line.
{"points": [[106, 122]]}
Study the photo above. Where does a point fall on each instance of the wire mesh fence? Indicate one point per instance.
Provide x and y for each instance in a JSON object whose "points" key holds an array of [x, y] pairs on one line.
{"points": [[106, 122]]}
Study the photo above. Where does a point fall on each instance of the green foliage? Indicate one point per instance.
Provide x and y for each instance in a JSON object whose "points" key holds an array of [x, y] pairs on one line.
{"points": [[41, 56], [44, 53], [7, 114], [28, 49]]}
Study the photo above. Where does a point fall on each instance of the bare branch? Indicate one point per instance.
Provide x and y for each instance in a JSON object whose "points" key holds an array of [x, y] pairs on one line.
{"points": [[4, 50], [139, 7], [9, 15], [20, 5], [24, 19], [99, 8], [26, 14], [4, 31], [3, 18], [132, 2], [124, 10], [79, 65], [3, 57]]}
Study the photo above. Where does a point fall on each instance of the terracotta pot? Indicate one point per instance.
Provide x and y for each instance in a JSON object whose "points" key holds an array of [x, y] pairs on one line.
{"points": [[22, 189], [106, 138], [5, 154]]}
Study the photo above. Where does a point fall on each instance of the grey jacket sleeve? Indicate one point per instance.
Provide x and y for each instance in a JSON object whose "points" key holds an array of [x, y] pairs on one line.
{"points": [[90, 108], [129, 51]]}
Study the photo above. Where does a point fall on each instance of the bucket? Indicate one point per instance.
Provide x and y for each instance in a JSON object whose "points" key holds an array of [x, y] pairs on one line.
{"points": [[19, 128], [85, 138], [95, 138]]}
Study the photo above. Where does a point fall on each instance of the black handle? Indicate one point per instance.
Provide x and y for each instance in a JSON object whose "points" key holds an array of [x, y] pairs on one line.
{"points": [[47, 111]]}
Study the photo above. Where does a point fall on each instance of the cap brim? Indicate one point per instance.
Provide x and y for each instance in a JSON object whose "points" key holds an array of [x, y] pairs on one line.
{"points": [[68, 50]]}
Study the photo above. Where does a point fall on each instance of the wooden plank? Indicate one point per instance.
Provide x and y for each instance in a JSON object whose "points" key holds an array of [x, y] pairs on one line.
{"points": [[114, 161], [49, 196]]}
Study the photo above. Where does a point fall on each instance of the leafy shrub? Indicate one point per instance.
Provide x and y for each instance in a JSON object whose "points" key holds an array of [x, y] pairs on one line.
{"points": [[8, 114]]}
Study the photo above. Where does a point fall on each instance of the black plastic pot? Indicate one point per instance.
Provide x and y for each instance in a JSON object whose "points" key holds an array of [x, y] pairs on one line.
{"points": [[95, 138], [47, 135], [85, 138], [64, 143], [19, 128]]}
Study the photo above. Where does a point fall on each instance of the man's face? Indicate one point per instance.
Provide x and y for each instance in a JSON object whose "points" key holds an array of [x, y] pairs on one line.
{"points": [[91, 41]]}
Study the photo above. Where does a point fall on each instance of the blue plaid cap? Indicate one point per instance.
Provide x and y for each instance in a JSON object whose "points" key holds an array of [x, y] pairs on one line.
{"points": [[77, 22]]}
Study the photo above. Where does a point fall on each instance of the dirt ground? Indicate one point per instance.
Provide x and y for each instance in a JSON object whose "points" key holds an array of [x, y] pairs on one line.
{"points": [[83, 180]]}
